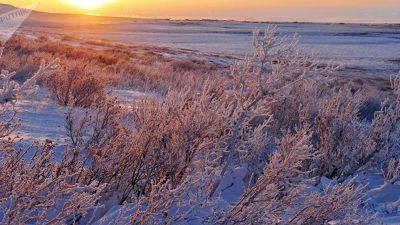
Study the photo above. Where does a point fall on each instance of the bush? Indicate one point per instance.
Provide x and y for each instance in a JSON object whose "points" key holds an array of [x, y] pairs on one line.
{"points": [[343, 138], [33, 187], [75, 86], [188, 65], [162, 140], [95, 126]]}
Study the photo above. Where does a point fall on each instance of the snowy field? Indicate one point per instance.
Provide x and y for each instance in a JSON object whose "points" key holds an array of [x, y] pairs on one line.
{"points": [[364, 49]]}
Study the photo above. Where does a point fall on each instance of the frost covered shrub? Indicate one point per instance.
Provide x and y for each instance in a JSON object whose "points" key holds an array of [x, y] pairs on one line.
{"points": [[95, 126], [159, 143], [275, 191], [386, 128], [34, 188], [9, 92], [22, 64], [343, 139], [380, 138], [185, 203], [301, 104], [75, 86], [10, 89], [280, 197], [392, 172], [134, 67], [37, 190], [159, 77], [259, 82], [336, 204], [137, 75]]}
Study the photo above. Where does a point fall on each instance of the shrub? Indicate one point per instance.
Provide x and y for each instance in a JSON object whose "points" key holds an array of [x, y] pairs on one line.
{"points": [[75, 86], [38, 190], [43, 39], [162, 141], [68, 38], [188, 65], [342, 137], [96, 126]]}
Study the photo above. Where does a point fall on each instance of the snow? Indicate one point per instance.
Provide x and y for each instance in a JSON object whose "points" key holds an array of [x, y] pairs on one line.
{"points": [[41, 118], [383, 200], [364, 47], [380, 199], [233, 184], [117, 215]]}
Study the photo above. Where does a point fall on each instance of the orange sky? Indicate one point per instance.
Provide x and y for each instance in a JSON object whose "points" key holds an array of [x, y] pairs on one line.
{"points": [[282, 10]]}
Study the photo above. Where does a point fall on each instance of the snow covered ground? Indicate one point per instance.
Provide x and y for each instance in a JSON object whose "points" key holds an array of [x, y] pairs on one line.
{"points": [[366, 49], [384, 200], [41, 118]]}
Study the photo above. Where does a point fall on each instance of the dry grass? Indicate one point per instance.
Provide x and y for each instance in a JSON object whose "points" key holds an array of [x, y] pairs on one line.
{"points": [[116, 65]]}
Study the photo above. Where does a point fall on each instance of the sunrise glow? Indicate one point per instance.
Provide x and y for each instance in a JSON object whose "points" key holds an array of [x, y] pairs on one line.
{"points": [[87, 4], [375, 11]]}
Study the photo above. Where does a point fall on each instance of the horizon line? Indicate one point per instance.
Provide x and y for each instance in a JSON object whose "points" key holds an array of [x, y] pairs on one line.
{"points": [[243, 20]]}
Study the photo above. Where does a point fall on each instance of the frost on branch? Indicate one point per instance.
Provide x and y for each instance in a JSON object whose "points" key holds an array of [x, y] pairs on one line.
{"points": [[382, 140], [160, 141], [75, 86], [10, 89], [283, 179], [33, 190], [95, 126], [343, 138], [336, 204], [245, 135], [392, 172], [277, 67]]}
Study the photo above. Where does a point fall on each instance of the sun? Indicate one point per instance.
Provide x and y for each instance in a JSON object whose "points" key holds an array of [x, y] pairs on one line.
{"points": [[88, 4]]}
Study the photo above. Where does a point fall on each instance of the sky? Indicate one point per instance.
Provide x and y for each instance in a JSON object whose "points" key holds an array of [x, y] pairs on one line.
{"points": [[369, 11]]}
